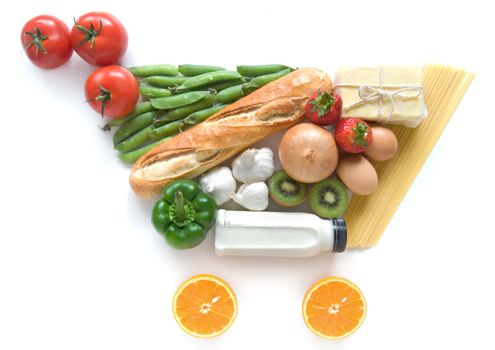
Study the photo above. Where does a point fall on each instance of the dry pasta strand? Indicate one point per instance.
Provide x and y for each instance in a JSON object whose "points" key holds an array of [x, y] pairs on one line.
{"points": [[368, 216]]}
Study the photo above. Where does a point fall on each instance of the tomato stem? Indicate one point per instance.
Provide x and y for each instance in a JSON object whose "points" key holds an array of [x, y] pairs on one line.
{"points": [[90, 34], [106, 127], [105, 96], [37, 40]]}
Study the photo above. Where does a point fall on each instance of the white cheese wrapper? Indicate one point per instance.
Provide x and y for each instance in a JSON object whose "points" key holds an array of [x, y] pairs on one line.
{"points": [[392, 95]]}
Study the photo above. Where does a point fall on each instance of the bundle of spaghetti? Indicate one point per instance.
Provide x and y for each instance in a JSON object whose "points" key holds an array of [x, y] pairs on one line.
{"points": [[368, 216]]}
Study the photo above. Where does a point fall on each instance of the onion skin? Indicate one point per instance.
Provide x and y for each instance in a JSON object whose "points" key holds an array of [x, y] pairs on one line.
{"points": [[308, 153]]}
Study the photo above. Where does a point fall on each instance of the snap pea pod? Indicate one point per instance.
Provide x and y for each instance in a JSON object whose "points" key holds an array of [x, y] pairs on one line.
{"points": [[225, 84], [135, 141], [132, 156], [208, 78], [169, 129], [140, 108], [215, 86], [230, 94], [262, 80], [256, 71], [182, 112], [163, 81], [133, 126], [202, 115], [153, 92], [180, 100], [156, 69], [191, 70]]}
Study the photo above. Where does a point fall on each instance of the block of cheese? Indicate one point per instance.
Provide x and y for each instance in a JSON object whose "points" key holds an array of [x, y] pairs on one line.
{"points": [[383, 94]]}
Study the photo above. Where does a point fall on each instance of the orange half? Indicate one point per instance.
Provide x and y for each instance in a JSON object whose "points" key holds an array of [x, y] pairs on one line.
{"points": [[204, 306], [334, 308]]}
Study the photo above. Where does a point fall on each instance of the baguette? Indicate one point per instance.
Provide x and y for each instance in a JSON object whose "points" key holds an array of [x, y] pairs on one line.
{"points": [[276, 106]]}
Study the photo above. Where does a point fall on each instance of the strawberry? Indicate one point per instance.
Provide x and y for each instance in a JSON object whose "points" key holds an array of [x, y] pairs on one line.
{"points": [[353, 135], [323, 108]]}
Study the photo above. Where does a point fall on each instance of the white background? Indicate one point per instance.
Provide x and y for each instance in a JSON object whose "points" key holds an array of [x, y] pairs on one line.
{"points": [[81, 266]]}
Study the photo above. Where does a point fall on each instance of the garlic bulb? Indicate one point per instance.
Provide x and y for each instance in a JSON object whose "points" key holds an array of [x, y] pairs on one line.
{"points": [[252, 196], [219, 183], [253, 165]]}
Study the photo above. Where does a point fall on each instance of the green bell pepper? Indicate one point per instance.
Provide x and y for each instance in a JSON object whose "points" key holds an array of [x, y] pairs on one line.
{"points": [[184, 214]]}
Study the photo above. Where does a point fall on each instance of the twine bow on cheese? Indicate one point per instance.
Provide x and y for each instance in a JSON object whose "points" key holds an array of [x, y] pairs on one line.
{"points": [[380, 92]]}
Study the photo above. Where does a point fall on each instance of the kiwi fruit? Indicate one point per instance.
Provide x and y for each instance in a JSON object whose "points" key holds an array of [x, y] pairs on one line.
{"points": [[286, 191], [328, 198]]}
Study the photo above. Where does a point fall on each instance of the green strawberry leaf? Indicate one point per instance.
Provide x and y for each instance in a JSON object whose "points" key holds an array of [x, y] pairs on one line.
{"points": [[360, 131], [322, 103]]}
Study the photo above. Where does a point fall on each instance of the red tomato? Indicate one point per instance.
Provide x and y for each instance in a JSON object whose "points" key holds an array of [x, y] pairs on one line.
{"points": [[46, 41], [99, 38], [112, 91]]}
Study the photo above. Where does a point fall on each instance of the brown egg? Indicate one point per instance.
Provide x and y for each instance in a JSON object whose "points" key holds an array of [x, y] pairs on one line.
{"points": [[358, 174], [384, 144]]}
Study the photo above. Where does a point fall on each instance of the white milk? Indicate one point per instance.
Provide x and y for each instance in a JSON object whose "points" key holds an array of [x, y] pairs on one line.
{"points": [[246, 233]]}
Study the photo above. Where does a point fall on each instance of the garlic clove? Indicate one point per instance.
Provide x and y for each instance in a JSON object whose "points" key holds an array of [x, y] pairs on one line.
{"points": [[252, 196], [219, 183], [253, 165]]}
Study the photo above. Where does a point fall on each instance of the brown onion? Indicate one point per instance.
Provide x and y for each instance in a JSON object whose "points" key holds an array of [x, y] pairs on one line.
{"points": [[308, 153]]}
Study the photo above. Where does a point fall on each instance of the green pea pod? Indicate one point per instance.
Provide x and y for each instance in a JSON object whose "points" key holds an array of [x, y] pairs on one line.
{"points": [[140, 108], [169, 129], [133, 126], [153, 92], [215, 86], [202, 115], [163, 81], [230, 94], [191, 70], [135, 141], [132, 156], [182, 112], [256, 71], [262, 80], [225, 84], [157, 69], [180, 100], [208, 78]]}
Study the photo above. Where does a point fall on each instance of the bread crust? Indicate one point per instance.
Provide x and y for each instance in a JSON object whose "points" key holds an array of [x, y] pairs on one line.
{"points": [[276, 106]]}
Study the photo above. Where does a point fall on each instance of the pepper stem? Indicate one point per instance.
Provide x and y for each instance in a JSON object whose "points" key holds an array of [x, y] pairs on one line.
{"points": [[179, 206]]}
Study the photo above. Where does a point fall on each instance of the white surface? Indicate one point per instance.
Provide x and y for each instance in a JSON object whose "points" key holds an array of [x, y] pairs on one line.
{"points": [[82, 268]]}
